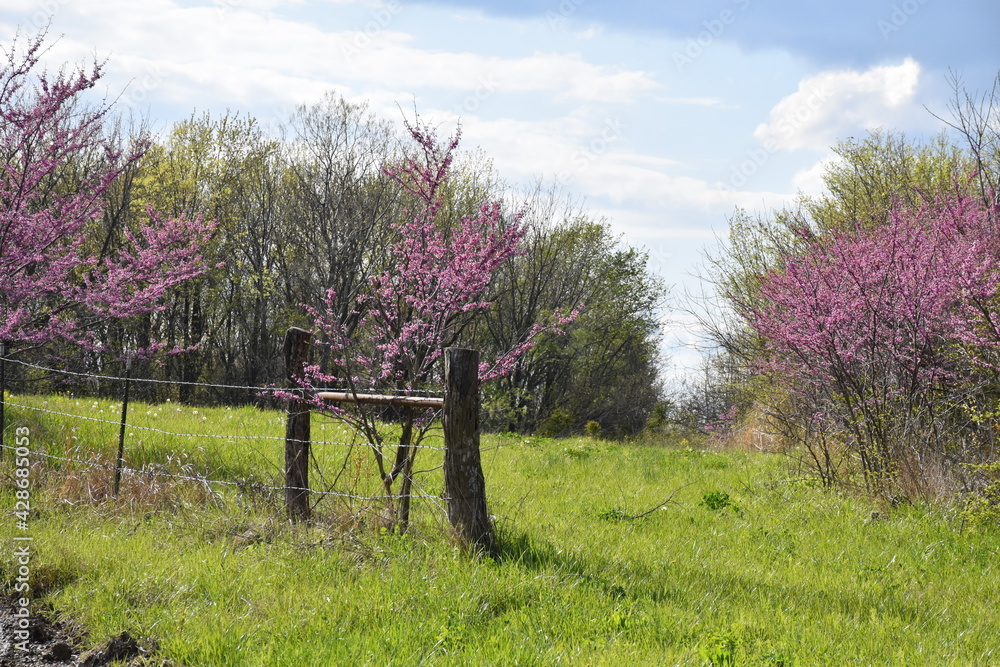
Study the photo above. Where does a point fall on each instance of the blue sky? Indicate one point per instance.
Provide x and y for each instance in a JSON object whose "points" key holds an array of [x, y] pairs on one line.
{"points": [[662, 116]]}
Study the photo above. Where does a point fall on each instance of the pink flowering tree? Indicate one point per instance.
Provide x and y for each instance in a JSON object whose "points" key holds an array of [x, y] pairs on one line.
{"points": [[420, 304], [58, 280], [878, 333]]}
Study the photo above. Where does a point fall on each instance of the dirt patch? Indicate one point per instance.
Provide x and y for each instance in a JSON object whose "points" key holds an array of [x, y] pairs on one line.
{"points": [[46, 643], [53, 644]]}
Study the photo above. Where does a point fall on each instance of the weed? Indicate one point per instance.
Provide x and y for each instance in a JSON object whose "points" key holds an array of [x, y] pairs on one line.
{"points": [[614, 514], [718, 501], [981, 508], [719, 650]]}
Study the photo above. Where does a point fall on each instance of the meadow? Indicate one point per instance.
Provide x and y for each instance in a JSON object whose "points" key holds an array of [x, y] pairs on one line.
{"points": [[657, 552]]}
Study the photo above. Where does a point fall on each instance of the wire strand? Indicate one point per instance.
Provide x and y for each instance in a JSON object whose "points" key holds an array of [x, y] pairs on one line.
{"points": [[272, 438], [258, 389], [208, 482]]}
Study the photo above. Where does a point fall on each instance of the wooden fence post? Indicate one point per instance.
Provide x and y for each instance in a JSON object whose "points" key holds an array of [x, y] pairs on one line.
{"points": [[464, 483], [296, 428]]}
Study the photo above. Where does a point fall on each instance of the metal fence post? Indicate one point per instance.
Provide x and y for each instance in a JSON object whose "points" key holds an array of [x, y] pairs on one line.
{"points": [[121, 431]]}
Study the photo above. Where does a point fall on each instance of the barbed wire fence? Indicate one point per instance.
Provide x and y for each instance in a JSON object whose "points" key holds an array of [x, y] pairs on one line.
{"points": [[73, 449]]}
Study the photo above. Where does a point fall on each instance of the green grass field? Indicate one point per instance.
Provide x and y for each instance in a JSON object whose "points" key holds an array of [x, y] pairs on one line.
{"points": [[747, 564]]}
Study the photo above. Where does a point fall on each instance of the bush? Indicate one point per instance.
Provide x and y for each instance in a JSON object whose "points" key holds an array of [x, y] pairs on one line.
{"points": [[558, 423], [982, 508]]}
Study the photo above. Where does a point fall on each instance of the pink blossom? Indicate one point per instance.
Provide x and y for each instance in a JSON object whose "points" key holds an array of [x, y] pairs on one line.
{"points": [[435, 285], [53, 283], [882, 321]]}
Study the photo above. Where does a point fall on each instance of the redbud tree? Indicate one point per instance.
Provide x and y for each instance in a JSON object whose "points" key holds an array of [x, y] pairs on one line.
{"points": [[58, 280], [421, 303], [887, 331]]}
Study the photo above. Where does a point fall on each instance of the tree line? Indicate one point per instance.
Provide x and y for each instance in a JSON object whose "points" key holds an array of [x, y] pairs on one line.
{"points": [[313, 208]]}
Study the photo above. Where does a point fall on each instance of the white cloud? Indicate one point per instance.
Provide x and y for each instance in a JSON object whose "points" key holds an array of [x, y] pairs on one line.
{"points": [[696, 101], [217, 50], [564, 76], [834, 104], [591, 32], [589, 153]]}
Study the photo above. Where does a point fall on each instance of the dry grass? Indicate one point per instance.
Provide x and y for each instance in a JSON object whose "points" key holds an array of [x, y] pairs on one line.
{"points": [[754, 433], [156, 487]]}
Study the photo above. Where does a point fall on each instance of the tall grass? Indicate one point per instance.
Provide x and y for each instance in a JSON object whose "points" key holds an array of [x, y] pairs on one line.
{"points": [[739, 564]]}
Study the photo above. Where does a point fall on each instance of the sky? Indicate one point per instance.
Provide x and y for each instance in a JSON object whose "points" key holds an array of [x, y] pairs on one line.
{"points": [[661, 117]]}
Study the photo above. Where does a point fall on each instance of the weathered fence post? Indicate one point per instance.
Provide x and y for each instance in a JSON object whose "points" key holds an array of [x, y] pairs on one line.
{"points": [[296, 428], [464, 483]]}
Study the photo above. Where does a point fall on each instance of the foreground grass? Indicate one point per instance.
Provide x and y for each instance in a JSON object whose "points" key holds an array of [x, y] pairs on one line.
{"points": [[741, 565]]}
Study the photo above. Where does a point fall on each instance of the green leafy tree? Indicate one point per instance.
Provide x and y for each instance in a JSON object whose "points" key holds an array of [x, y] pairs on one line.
{"points": [[606, 368], [226, 168]]}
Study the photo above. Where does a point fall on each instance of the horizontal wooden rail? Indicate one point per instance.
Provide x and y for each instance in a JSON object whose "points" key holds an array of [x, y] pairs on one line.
{"points": [[381, 399], [464, 483]]}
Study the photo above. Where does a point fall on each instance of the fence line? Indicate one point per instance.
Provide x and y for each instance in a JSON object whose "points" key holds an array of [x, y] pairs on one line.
{"points": [[259, 389], [463, 478], [117, 378], [205, 480], [202, 479], [273, 438]]}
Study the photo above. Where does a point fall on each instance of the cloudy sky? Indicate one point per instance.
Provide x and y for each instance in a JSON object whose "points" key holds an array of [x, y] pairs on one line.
{"points": [[663, 116]]}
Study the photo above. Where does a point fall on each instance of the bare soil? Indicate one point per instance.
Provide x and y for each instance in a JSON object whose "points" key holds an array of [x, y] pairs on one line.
{"points": [[55, 644]]}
